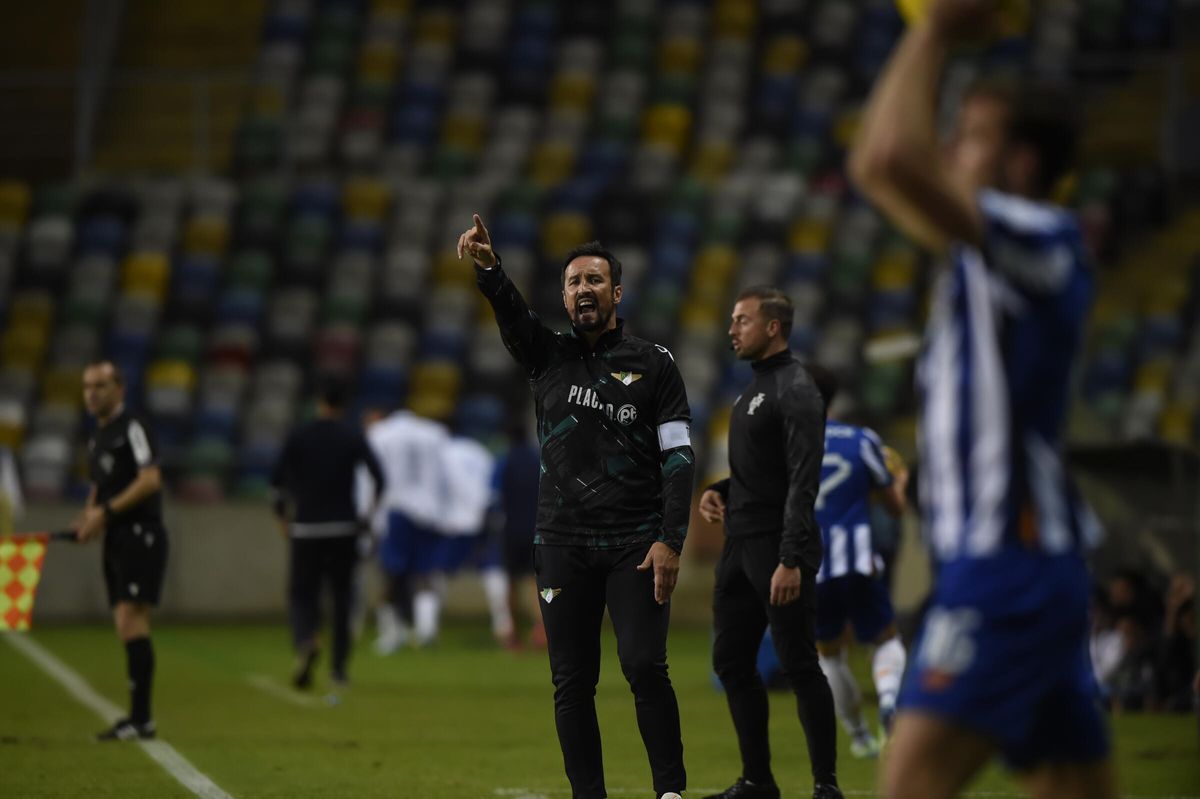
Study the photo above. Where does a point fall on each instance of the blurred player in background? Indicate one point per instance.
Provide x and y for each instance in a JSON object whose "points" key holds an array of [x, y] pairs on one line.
{"points": [[409, 449], [614, 501], [467, 468], [850, 586], [1001, 662], [766, 576], [315, 483], [12, 501], [125, 507], [516, 482]]}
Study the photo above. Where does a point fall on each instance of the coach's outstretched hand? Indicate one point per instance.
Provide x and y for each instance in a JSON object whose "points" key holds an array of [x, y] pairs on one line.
{"points": [[478, 244], [665, 562]]}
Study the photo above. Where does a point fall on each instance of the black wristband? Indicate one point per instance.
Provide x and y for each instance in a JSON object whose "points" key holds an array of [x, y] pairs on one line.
{"points": [[788, 561]]}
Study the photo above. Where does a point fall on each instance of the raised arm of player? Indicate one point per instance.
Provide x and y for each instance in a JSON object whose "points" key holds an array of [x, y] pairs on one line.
{"points": [[896, 159], [523, 333]]}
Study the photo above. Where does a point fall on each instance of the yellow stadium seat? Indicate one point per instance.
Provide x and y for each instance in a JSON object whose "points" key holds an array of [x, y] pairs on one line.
{"points": [[465, 132], [561, 232], [1176, 423], [448, 270], [667, 124], [433, 406], [698, 316], [551, 164], [378, 61], [734, 19], [206, 235], [846, 126], [442, 378], [809, 235], [572, 90], [63, 386], [147, 271], [712, 160], [34, 309], [11, 435], [268, 102], [436, 26], [366, 198], [681, 54], [1154, 376], [718, 424], [785, 55], [715, 263], [397, 8], [23, 346], [14, 203], [170, 373]]}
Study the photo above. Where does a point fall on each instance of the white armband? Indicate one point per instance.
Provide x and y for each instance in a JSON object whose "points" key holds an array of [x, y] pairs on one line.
{"points": [[674, 434]]}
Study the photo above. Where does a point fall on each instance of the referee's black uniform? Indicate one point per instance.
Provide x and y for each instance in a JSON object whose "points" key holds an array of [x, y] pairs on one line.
{"points": [[135, 551], [135, 540], [776, 443], [315, 477], [617, 469]]}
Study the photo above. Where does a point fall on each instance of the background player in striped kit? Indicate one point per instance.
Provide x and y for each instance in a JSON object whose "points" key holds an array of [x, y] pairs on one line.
{"points": [[1001, 663], [851, 591], [409, 450]]}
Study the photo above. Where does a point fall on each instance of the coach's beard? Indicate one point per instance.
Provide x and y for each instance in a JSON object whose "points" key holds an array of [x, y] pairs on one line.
{"points": [[592, 319]]}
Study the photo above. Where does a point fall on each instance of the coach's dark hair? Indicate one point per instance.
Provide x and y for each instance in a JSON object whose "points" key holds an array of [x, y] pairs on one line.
{"points": [[827, 382], [774, 304], [334, 392], [1043, 116], [118, 375], [597, 250]]}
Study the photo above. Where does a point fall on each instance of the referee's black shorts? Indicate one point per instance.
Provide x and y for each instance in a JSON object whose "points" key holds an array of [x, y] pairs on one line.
{"points": [[135, 561]]}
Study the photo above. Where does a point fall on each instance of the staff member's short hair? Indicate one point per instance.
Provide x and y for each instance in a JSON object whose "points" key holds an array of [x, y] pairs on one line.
{"points": [[333, 392], [774, 304], [118, 375]]}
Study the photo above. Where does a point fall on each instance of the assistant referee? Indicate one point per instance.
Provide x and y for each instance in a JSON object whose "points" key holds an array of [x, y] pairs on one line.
{"points": [[613, 502], [768, 567], [125, 507]]}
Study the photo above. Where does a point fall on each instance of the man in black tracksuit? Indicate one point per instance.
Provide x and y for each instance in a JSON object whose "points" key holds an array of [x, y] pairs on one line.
{"points": [[315, 484], [768, 567], [613, 503]]}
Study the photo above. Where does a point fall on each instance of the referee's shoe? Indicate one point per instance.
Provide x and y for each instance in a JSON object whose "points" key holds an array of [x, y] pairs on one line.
{"points": [[126, 730]]}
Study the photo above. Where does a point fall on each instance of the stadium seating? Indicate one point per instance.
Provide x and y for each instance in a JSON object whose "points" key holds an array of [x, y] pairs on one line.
{"points": [[703, 141]]}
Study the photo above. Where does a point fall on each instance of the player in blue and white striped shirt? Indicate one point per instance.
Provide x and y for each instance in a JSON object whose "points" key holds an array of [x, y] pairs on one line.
{"points": [[1001, 663], [850, 587]]}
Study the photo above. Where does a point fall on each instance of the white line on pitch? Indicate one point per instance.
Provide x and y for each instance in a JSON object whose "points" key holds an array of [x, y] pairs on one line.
{"points": [[269, 686], [545, 793], [160, 751]]}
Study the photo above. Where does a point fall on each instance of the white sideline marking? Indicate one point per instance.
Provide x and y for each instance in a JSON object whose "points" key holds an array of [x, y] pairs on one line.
{"points": [[161, 752], [272, 688]]}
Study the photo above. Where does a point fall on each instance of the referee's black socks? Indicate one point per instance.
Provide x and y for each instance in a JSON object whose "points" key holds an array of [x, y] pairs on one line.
{"points": [[139, 657]]}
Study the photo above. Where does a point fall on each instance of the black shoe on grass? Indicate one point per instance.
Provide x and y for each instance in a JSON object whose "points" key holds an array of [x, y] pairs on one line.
{"points": [[747, 790]]}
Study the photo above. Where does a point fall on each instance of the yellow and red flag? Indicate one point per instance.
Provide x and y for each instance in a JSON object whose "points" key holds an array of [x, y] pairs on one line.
{"points": [[21, 558]]}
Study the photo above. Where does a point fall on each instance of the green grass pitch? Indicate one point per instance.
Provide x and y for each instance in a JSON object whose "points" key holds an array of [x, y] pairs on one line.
{"points": [[460, 720]]}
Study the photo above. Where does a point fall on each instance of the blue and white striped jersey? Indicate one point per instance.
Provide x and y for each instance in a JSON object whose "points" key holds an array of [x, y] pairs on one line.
{"points": [[994, 377], [853, 465]]}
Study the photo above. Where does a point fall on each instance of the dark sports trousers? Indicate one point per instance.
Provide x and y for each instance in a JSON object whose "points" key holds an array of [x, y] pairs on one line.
{"points": [[741, 613], [315, 561], [588, 580]]}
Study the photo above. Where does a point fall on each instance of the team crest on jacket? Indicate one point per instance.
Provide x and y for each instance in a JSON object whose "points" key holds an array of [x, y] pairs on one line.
{"points": [[548, 594], [628, 378], [755, 402]]}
